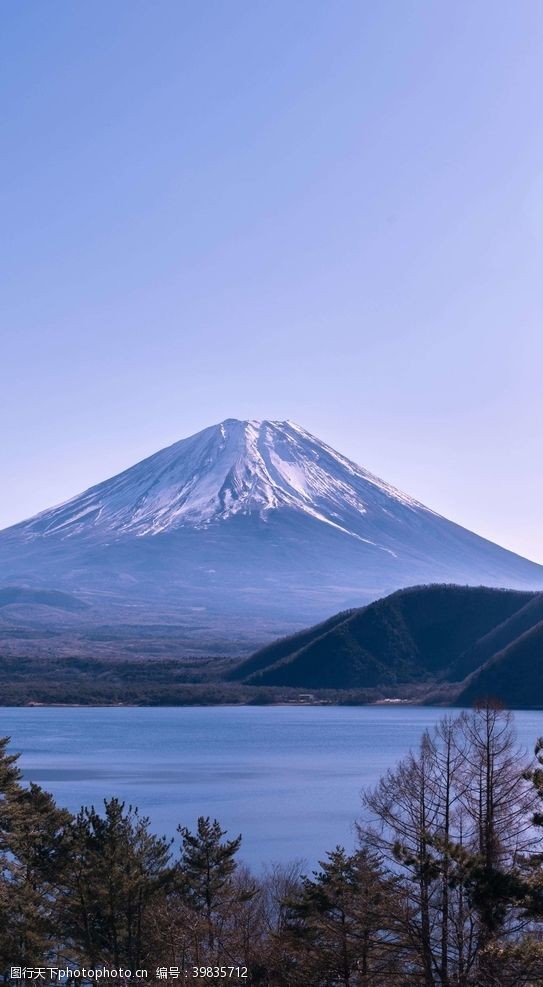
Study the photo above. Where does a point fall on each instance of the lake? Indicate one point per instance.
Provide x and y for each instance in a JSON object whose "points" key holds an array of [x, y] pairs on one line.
{"points": [[287, 777]]}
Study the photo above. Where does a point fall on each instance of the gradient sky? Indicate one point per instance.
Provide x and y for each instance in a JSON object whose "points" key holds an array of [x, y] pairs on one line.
{"points": [[324, 211]]}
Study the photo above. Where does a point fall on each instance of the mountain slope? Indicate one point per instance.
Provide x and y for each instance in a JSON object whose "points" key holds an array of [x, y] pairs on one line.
{"points": [[252, 520], [499, 638], [235, 468], [514, 676], [19, 596], [414, 635]]}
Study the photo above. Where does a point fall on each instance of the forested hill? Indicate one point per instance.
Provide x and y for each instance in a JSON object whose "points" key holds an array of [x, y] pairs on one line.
{"points": [[432, 634], [514, 675]]}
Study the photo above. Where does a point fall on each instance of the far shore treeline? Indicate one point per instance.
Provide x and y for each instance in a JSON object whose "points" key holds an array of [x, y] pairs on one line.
{"points": [[444, 887]]}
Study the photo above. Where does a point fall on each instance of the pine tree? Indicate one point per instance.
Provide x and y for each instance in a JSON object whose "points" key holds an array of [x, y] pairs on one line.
{"points": [[206, 869], [119, 870], [340, 923], [33, 856], [39, 858]]}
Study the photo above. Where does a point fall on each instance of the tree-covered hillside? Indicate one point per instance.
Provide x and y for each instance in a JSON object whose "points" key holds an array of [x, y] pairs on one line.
{"points": [[422, 634]]}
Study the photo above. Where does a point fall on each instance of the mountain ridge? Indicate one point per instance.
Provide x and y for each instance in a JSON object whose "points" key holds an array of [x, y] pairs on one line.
{"points": [[229, 468], [241, 522], [421, 635]]}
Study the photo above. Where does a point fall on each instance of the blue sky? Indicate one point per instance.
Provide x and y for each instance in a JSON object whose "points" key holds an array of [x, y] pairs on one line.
{"points": [[329, 212]]}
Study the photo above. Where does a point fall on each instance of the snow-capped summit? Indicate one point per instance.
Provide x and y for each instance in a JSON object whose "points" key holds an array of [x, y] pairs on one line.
{"points": [[236, 467], [249, 517]]}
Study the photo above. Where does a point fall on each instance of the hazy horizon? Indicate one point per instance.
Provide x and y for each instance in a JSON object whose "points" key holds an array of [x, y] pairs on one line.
{"points": [[331, 214]]}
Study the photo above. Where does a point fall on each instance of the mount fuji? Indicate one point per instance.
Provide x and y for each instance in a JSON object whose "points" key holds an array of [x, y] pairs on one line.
{"points": [[247, 519]]}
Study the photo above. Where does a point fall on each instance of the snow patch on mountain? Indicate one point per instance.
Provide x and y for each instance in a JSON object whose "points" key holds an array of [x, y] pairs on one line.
{"points": [[253, 521], [234, 468]]}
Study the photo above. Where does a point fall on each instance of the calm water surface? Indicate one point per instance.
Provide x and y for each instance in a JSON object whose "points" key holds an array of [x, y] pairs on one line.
{"points": [[287, 777]]}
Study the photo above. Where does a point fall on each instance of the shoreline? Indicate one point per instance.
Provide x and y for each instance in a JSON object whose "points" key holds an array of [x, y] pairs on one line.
{"points": [[380, 704]]}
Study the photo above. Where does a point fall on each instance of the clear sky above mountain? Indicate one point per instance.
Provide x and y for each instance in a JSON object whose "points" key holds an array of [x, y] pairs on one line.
{"points": [[327, 212]]}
